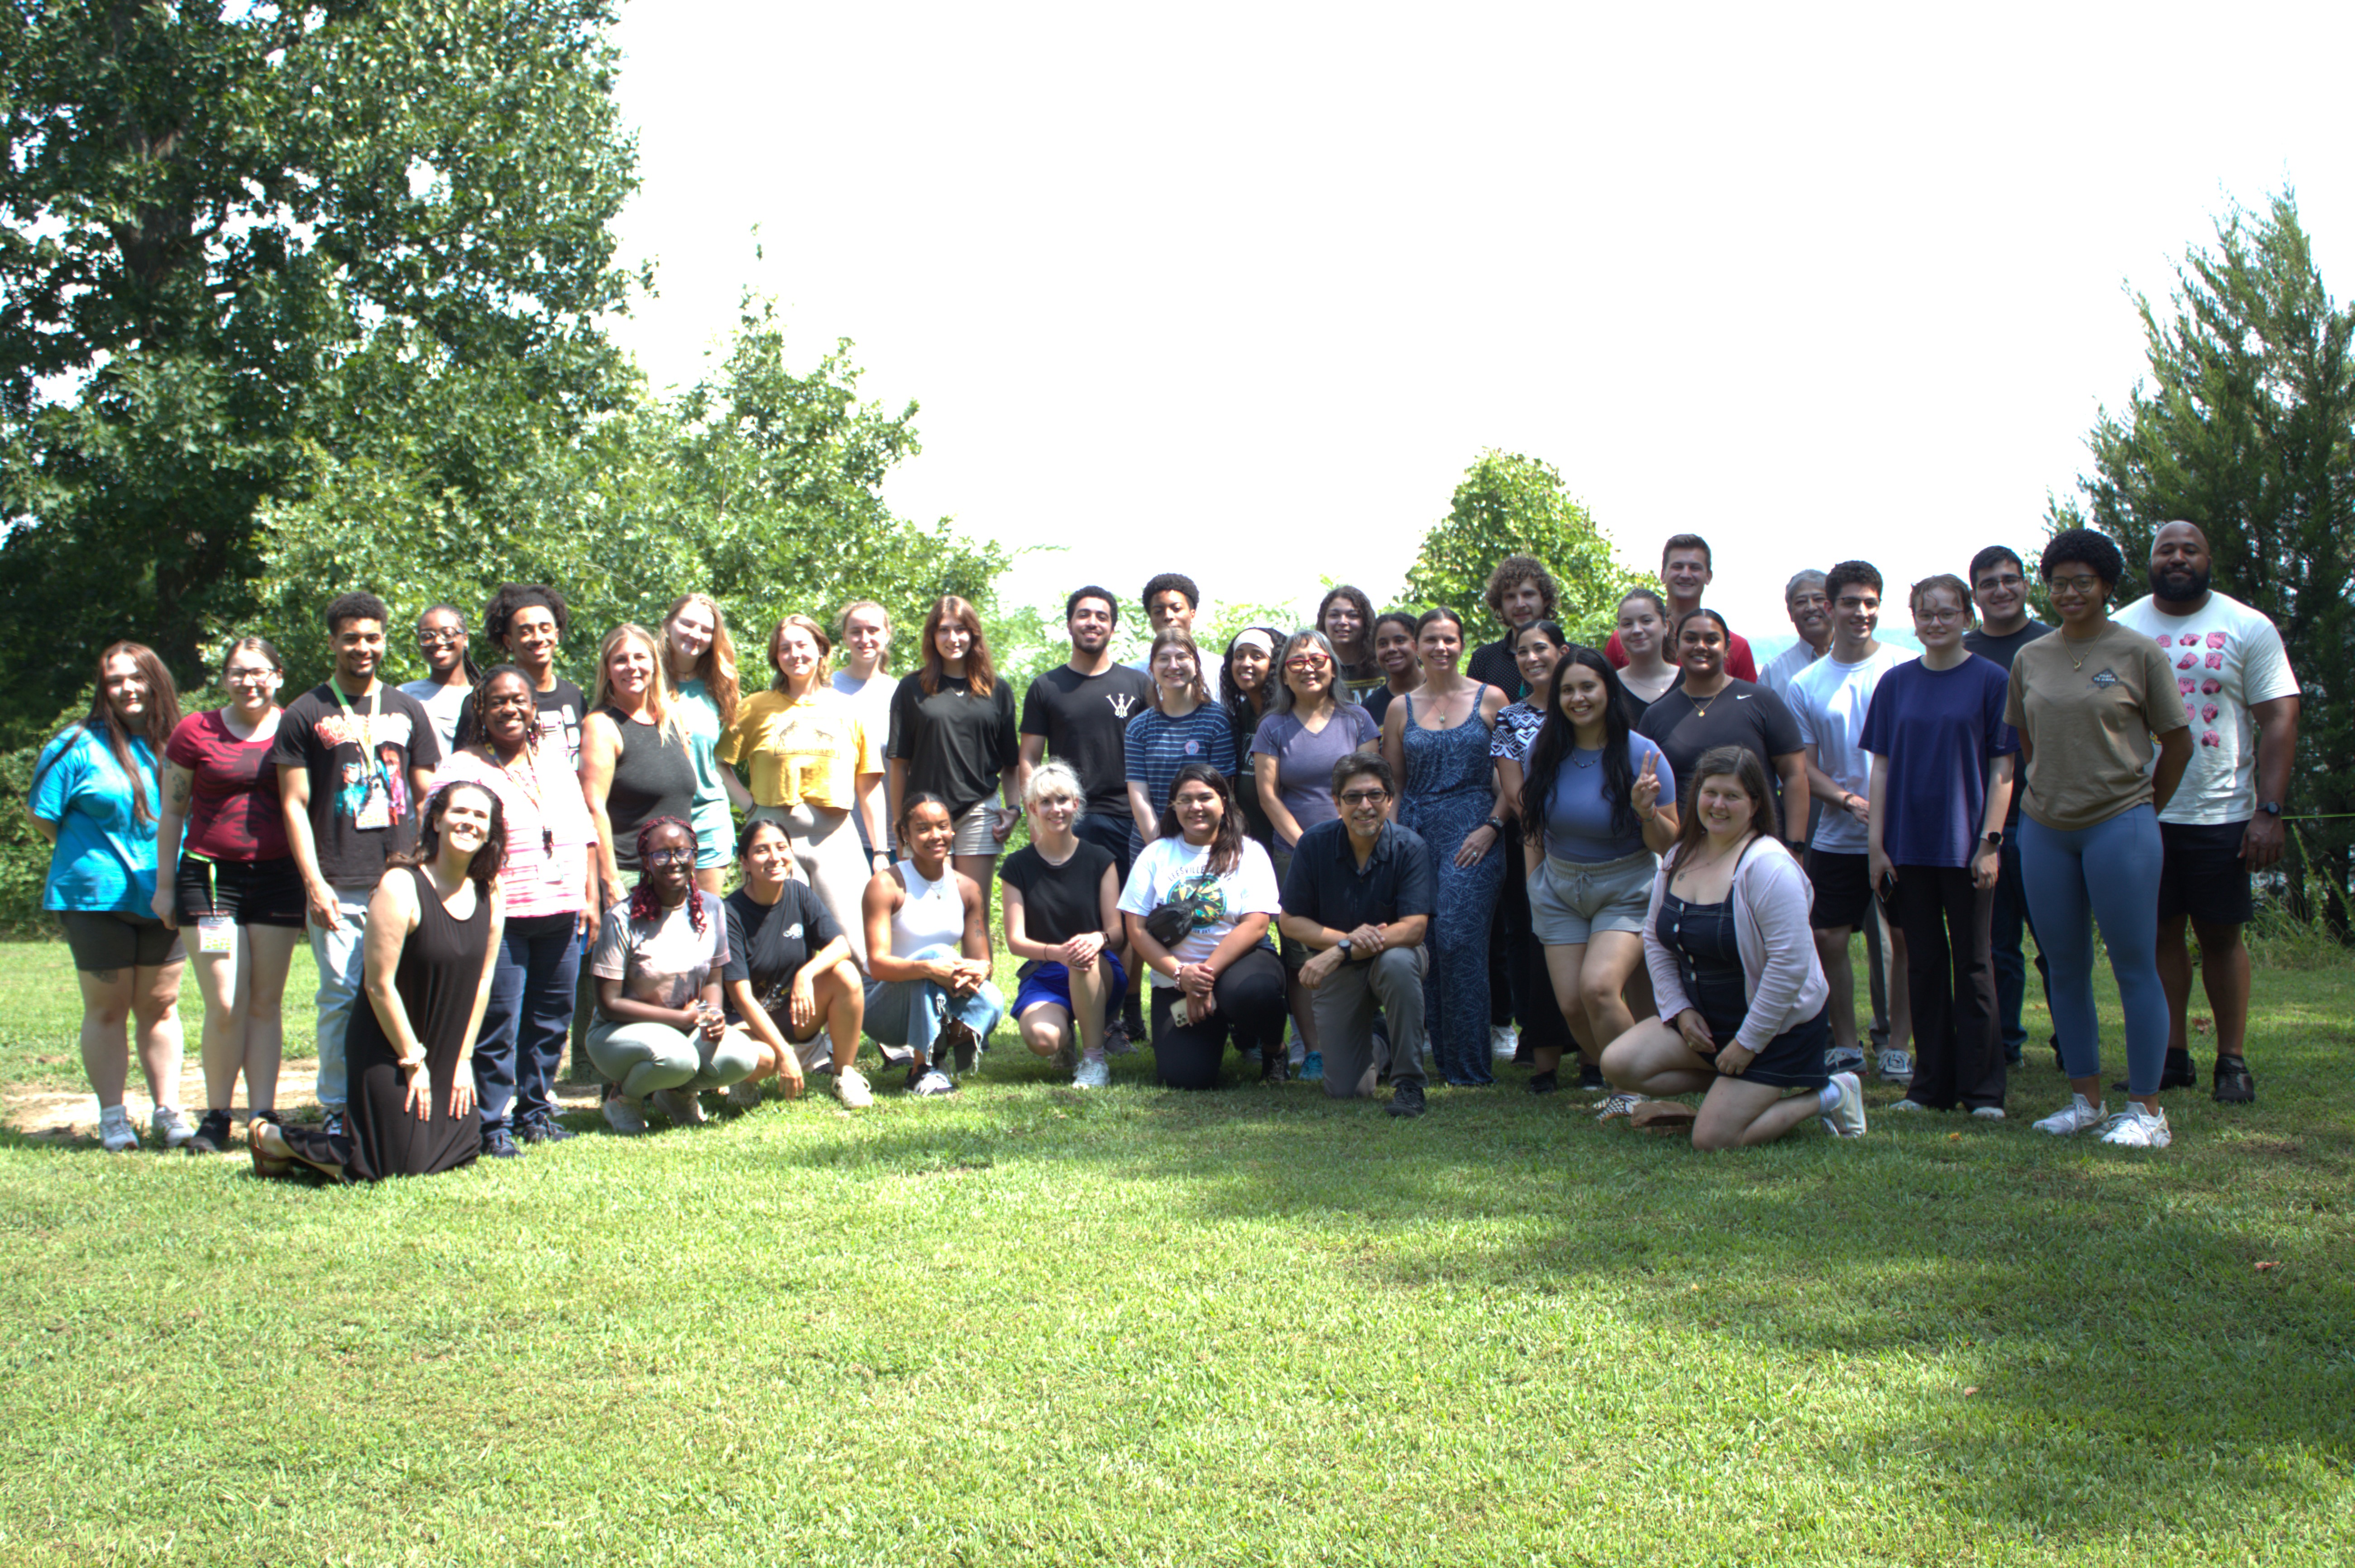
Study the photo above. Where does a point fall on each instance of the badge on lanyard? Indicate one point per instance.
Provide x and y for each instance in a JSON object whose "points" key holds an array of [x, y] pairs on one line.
{"points": [[216, 933]]}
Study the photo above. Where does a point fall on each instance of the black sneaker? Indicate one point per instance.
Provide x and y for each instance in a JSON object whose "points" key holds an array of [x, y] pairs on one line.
{"points": [[213, 1134], [499, 1144], [1275, 1066], [2234, 1084], [547, 1131], [1543, 1082], [1406, 1100], [1590, 1079], [2179, 1073]]}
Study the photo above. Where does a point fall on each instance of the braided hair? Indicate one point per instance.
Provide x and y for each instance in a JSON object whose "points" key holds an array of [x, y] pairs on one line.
{"points": [[644, 903]]}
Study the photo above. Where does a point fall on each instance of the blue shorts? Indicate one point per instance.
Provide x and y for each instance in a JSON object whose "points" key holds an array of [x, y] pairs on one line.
{"points": [[1044, 982]]}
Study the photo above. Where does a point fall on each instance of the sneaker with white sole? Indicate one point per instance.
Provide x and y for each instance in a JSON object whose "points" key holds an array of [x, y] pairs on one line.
{"points": [[1846, 1120], [1896, 1066], [115, 1133], [171, 1125], [1619, 1104], [850, 1087], [2135, 1128], [1844, 1059], [1909, 1106], [931, 1084], [625, 1115], [1988, 1112], [682, 1106], [1504, 1041], [2080, 1116], [1096, 1074]]}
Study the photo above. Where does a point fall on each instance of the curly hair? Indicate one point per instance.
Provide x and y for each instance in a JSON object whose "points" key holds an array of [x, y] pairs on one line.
{"points": [[498, 615], [1512, 572], [2084, 546], [644, 902]]}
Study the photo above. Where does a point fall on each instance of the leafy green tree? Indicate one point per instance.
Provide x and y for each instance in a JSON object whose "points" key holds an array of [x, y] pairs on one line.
{"points": [[1512, 505], [241, 245], [2246, 427]]}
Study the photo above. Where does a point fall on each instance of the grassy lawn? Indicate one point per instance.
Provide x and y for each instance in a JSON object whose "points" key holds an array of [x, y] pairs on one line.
{"points": [[1028, 1324]]}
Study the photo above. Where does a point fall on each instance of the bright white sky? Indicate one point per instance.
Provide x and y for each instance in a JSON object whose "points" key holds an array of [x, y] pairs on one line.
{"points": [[1240, 290]]}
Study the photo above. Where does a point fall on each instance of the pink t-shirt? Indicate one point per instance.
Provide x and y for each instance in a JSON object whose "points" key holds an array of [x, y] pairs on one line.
{"points": [[548, 829], [234, 812]]}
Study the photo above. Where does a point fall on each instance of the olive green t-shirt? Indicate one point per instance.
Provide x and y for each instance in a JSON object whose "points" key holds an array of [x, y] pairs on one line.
{"points": [[2088, 711]]}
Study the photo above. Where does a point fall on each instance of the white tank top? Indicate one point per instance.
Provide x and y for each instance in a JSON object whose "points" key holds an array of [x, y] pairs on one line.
{"points": [[930, 915]]}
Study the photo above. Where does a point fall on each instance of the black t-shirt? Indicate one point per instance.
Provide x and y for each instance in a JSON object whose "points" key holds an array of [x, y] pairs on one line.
{"points": [[1492, 663], [560, 708], [2000, 650], [1059, 902], [771, 956], [362, 809], [957, 745], [1084, 719], [1740, 714]]}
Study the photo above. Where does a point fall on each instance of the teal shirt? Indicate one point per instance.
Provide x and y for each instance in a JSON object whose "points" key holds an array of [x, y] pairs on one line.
{"points": [[105, 858], [715, 824]]}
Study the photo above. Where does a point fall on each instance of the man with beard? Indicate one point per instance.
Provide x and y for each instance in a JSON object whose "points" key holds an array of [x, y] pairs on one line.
{"points": [[2224, 821], [1078, 712], [1999, 591]]}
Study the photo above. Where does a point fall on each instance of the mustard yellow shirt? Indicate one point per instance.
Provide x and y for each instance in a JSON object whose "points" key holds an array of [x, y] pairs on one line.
{"points": [[812, 750]]}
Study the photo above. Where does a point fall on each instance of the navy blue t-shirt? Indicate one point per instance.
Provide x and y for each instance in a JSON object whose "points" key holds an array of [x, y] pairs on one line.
{"points": [[1938, 729]]}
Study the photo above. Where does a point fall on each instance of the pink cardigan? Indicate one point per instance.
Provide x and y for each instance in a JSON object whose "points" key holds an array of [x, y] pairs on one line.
{"points": [[1780, 972]]}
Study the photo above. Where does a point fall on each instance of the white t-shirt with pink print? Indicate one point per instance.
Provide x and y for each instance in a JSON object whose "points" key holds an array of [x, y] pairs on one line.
{"points": [[2226, 657]]}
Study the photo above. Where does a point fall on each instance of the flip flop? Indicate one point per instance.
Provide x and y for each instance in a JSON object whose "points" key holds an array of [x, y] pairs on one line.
{"points": [[264, 1164], [1663, 1117]]}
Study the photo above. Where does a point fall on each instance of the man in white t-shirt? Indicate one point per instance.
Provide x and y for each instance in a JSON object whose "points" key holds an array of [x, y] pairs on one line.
{"points": [[1830, 699], [2225, 819]]}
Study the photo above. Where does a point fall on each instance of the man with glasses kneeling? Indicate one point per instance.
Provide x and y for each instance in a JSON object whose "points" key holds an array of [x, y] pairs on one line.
{"points": [[1359, 895]]}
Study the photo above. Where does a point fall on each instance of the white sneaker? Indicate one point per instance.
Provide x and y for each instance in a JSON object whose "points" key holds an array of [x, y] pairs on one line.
{"points": [[172, 1128], [625, 1115], [682, 1106], [1620, 1104], [1504, 1041], [115, 1133], [743, 1094], [1909, 1106], [1844, 1059], [1846, 1120], [2135, 1128], [1896, 1066], [1988, 1112], [2083, 1115], [851, 1088], [932, 1083], [1096, 1074]]}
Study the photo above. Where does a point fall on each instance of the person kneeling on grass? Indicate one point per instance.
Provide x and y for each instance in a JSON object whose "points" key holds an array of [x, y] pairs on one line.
{"points": [[1359, 895], [789, 974], [658, 960], [928, 950], [1740, 990], [1062, 919]]}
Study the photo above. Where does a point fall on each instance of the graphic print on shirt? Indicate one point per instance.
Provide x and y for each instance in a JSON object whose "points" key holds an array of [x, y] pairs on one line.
{"points": [[370, 789], [1123, 704], [1204, 896], [2197, 660]]}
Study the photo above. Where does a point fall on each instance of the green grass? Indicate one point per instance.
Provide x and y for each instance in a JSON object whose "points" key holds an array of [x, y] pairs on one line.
{"points": [[1029, 1324]]}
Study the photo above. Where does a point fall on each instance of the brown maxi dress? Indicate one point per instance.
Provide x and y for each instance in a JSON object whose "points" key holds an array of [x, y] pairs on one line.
{"points": [[440, 968]]}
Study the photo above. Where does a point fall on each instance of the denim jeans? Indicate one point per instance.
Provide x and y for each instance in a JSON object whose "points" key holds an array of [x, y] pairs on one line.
{"points": [[914, 1012], [520, 1046], [342, 959]]}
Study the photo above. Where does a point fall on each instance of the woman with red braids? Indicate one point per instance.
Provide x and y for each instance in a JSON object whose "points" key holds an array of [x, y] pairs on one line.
{"points": [[659, 1029]]}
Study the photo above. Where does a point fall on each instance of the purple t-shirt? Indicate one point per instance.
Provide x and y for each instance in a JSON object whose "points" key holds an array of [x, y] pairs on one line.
{"points": [[1938, 729], [1304, 762]]}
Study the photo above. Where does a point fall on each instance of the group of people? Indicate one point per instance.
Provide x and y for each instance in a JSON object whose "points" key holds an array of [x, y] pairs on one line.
{"points": [[1355, 850]]}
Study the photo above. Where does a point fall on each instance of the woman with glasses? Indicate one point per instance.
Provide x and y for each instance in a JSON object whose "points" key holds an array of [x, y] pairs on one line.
{"points": [[2091, 703], [1313, 722], [700, 658], [223, 833], [1182, 726], [450, 672]]}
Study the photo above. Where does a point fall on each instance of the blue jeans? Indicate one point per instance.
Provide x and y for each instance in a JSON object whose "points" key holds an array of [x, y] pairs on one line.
{"points": [[2109, 873], [520, 1046], [914, 1012], [342, 959], [2011, 919]]}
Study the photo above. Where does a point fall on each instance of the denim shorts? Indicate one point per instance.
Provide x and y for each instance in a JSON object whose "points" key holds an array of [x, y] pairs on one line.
{"points": [[1569, 901]]}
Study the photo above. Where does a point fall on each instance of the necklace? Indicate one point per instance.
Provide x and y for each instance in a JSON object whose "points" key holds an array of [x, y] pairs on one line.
{"points": [[1700, 704], [2075, 662]]}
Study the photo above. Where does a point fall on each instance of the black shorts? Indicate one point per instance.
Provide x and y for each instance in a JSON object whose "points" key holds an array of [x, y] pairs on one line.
{"points": [[103, 940], [250, 892], [1843, 888], [2201, 873]]}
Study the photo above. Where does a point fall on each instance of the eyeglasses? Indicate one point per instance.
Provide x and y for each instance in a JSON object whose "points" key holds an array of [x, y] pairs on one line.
{"points": [[250, 677], [2081, 584], [2002, 580], [653, 858], [1306, 661], [1365, 798], [1939, 617], [435, 639]]}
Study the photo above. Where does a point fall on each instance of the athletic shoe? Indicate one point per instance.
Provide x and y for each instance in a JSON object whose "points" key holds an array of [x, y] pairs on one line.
{"points": [[896, 1055], [1988, 1112], [2179, 1073], [931, 1084], [1896, 1066], [1312, 1068], [214, 1134], [1096, 1074], [1844, 1059], [333, 1126], [682, 1106], [1295, 1049], [115, 1133], [625, 1115], [1620, 1104], [1909, 1106], [850, 1087], [2234, 1084], [1504, 1039], [2082, 1116], [544, 1131], [743, 1094], [1544, 1083], [964, 1046], [1591, 1079], [1120, 1036], [1846, 1120], [499, 1144], [171, 1126], [2135, 1128], [1406, 1100]]}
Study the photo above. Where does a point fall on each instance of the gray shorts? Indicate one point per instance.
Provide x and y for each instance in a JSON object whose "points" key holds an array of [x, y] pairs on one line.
{"points": [[972, 831], [1569, 901]]}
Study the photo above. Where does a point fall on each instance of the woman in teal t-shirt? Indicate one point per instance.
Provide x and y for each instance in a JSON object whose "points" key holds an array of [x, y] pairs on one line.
{"points": [[95, 796], [701, 659]]}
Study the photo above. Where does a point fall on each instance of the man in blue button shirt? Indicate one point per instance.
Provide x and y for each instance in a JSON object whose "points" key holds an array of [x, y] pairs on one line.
{"points": [[1359, 895]]}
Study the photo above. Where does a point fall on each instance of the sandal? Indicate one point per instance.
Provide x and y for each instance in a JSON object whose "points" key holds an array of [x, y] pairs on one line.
{"points": [[265, 1163]]}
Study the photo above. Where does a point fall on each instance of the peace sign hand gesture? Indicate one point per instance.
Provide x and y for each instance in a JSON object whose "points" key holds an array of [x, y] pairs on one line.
{"points": [[1645, 791]]}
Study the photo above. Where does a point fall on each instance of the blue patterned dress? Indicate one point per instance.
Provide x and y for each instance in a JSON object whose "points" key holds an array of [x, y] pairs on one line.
{"points": [[1449, 791]]}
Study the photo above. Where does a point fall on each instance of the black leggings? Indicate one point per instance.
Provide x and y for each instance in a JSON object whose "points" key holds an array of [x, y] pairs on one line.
{"points": [[1251, 1004]]}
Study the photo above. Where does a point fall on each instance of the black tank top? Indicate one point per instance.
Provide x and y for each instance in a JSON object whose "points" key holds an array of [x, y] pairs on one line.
{"points": [[654, 776]]}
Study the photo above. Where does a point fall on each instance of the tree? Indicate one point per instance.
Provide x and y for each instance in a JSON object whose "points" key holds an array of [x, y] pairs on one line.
{"points": [[1509, 505], [2246, 427], [243, 244]]}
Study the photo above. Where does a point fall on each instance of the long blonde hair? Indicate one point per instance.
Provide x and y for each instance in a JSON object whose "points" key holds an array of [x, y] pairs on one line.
{"points": [[717, 668], [662, 699]]}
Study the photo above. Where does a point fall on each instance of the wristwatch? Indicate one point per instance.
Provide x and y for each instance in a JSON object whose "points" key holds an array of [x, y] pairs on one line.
{"points": [[1993, 840], [1497, 826], [1344, 946], [2270, 807]]}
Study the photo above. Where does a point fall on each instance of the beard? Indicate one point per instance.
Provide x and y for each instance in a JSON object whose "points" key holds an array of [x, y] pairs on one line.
{"points": [[2180, 587]]}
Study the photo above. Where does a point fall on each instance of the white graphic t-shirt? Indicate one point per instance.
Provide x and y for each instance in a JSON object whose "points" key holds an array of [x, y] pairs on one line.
{"points": [[2225, 657], [1172, 870]]}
